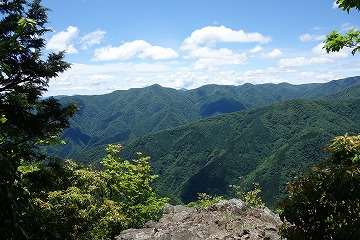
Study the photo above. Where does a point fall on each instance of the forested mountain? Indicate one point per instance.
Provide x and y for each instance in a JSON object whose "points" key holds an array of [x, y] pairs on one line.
{"points": [[263, 132], [124, 115], [263, 144]]}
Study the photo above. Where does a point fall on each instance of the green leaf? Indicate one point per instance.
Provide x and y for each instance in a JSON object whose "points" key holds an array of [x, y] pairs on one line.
{"points": [[3, 119], [5, 69], [26, 23]]}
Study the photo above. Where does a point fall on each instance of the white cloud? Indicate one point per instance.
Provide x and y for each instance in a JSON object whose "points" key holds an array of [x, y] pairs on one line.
{"points": [[98, 79], [302, 61], [203, 63], [273, 54], [158, 53], [123, 52], [258, 72], [105, 78], [62, 41], [201, 42], [311, 37], [91, 39], [212, 59], [193, 79], [211, 35], [256, 49], [347, 27], [137, 48], [115, 68], [319, 76], [320, 51], [335, 5], [320, 57]]}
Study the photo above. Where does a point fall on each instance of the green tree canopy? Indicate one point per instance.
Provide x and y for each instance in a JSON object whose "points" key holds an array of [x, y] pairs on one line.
{"points": [[336, 41], [27, 122], [80, 203], [324, 203]]}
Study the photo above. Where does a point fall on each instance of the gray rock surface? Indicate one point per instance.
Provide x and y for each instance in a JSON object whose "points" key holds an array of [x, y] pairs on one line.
{"points": [[227, 219]]}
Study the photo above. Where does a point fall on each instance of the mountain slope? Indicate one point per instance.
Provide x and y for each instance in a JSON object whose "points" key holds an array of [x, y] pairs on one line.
{"points": [[124, 115], [264, 144]]}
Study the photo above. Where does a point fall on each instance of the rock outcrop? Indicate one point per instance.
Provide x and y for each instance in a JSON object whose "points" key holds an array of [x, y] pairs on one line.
{"points": [[227, 219]]}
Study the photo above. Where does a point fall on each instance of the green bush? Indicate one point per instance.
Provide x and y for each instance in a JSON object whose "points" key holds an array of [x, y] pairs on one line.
{"points": [[81, 203], [252, 196], [324, 202], [205, 200]]}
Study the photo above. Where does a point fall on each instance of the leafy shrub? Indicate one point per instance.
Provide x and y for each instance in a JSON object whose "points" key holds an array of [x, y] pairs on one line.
{"points": [[324, 203], [251, 197], [205, 200], [81, 203]]}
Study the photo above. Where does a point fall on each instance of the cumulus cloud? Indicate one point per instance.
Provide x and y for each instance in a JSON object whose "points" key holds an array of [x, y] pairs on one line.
{"points": [[311, 37], [98, 79], [258, 72], [335, 5], [212, 59], [201, 46], [320, 76], [123, 52], [303, 61], [320, 51], [137, 48], [91, 39], [63, 41], [158, 53], [273, 54], [256, 49], [320, 57], [211, 35]]}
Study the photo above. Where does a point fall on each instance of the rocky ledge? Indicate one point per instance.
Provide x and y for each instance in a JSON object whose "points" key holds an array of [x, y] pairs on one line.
{"points": [[227, 219]]}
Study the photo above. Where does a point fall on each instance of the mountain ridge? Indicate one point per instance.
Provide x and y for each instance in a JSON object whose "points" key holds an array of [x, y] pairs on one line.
{"points": [[204, 139], [209, 163], [126, 114], [262, 144]]}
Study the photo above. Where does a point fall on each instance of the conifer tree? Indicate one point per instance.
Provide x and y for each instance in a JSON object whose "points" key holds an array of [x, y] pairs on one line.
{"points": [[26, 120]]}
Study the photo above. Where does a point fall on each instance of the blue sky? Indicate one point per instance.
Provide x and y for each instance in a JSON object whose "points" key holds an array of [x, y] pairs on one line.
{"points": [[122, 44]]}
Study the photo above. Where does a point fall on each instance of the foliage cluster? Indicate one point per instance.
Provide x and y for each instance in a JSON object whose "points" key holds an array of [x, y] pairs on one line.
{"points": [[205, 200], [80, 203], [324, 203], [27, 122], [251, 197], [42, 198], [336, 41]]}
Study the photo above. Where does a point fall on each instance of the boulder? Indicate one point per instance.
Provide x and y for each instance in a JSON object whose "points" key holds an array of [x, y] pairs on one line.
{"points": [[227, 219]]}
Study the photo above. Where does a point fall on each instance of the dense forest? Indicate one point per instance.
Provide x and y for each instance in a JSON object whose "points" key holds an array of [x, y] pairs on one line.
{"points": [[273, 131], [123, 115]]}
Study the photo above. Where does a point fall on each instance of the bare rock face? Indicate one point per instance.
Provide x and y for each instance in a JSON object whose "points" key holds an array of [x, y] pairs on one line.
{"points": [[227, 219]]}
